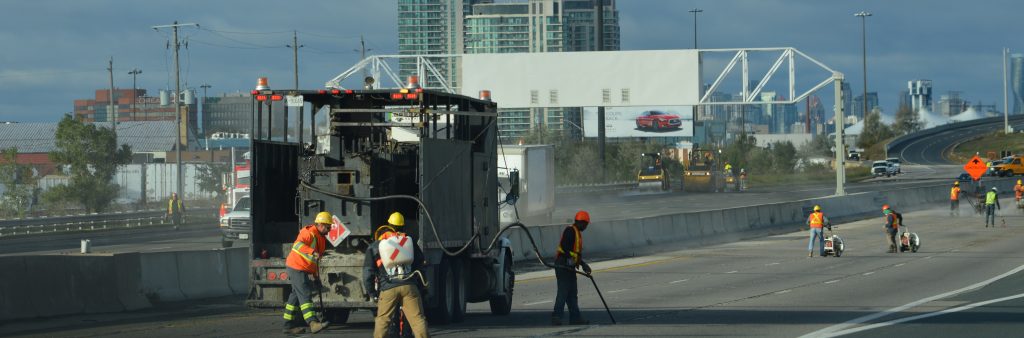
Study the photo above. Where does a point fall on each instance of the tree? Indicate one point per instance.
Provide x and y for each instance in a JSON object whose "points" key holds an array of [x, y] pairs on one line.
{"points": [[90, 156], [210, 177], [820, 145], [874, 130], [19, 184], [784, 155], [907, 121]]}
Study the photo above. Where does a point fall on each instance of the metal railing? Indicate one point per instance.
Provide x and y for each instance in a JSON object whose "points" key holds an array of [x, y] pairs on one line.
{"points": [[96, 222]]}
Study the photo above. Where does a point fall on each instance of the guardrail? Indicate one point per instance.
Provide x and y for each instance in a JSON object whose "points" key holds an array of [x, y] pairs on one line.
{"points": [[902, 140], [582, 188], [94, 222]]}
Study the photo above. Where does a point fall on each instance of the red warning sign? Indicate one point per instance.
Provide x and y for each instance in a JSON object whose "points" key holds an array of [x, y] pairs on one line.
{"points": [[976, 167], [338, 231]]}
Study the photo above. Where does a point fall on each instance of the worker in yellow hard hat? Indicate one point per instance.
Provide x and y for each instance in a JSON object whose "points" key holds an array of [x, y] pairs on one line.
{"points": [[954, 199], [1018, 190], [303, 262], [816, 220], [395, 284]]}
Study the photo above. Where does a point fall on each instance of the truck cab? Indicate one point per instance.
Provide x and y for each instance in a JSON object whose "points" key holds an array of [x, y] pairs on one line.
{"points": [[1010, 167], [237, 223]]}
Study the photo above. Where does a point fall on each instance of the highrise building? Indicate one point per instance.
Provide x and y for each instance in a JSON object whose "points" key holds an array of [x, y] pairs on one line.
{"points": [[951, 104], [233, 113], [847, 99], [432, 27], [1017, 82], [920, 94], [858, 104]]}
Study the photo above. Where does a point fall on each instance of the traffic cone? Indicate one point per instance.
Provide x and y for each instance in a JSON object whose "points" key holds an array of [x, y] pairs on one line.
{"points": [[223, 210]]}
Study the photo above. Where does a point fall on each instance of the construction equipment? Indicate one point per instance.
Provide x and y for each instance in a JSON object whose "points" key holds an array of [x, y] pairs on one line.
{"points": [[652, 174], [702, 172], [365, 154], [833, 243]]}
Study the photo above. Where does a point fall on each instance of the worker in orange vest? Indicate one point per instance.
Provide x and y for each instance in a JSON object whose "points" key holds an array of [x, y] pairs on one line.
{"points": [[303, 263], [398, 284], [816, 221], [569, 257], [892, 226], [954, 199], [1018, 190]]}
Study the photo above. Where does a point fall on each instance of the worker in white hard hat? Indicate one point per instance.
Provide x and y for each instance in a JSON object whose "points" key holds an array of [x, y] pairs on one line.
{"points": [[991, 203], [391, 276]]}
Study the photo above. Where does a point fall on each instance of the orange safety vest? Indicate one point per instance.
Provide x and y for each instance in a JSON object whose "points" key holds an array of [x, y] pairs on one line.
{"points": [[816, 220], [1018, 190], [954, 194], [309, 242], [577, 246]]}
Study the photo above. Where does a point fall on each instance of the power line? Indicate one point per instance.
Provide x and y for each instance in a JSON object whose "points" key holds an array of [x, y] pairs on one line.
{"points": [[227, 46], [248, 33]]}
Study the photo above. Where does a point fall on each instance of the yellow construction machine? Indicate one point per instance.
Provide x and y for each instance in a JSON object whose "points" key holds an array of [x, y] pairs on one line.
{"points": [[652, 174], [702, 172]]}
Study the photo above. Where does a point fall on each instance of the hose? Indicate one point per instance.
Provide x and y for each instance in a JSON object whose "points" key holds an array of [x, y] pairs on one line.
{"points": [[433, 228]]}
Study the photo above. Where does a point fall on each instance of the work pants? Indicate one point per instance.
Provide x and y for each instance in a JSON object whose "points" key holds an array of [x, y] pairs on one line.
{"points": [[567, 293], [954, 207], [890, 235], [816, 233], [408, 296], [990, 215], [300, 298]]}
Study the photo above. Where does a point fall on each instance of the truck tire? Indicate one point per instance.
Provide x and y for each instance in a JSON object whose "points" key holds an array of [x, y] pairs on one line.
{"points": [[502, 305], [337, 316], [444, 284], [459, 271]]}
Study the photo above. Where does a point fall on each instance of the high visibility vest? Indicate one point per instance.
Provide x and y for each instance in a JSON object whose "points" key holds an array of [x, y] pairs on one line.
{"points": [[170, 206], [816, 220], [954, 194], [1018, 190], [308, 242], [990, 198], [577, 246]]}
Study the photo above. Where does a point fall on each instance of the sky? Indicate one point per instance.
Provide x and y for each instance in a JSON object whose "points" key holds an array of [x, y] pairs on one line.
{"points": [[56, 51]]}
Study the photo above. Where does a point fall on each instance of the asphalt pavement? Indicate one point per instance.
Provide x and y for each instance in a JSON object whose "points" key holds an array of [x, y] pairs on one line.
{"points": [[760, 287]]}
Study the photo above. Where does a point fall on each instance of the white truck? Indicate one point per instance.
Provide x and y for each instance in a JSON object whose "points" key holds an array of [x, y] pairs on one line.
{"points": [[535, 165]]}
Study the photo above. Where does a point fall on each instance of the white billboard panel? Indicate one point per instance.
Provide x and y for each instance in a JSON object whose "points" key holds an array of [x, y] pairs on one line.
{"points": [[651, 121], [584, 79]]}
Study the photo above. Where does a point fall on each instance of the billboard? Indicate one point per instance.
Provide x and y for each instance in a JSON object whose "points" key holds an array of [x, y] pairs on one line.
{"points": [[584, 79], [641, 121]]}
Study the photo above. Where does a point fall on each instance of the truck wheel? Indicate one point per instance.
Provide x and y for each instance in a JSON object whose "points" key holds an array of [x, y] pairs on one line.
{"points": [[337, 316], [502, 305], [459, 310], [444, 283]]}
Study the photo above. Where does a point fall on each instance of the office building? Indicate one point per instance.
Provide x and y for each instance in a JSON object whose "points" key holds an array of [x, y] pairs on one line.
{"points": [[144, 108], [951, 104], [233, 113], [920, 94], [858, 105]]}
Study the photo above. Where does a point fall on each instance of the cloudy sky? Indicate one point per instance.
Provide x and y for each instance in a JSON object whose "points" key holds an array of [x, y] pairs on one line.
{"points": [[55, 51]]}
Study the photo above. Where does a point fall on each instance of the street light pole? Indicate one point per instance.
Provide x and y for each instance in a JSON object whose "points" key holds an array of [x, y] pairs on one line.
{"points": [[695, 11], [295, 59], [864, 56], [134, 73], [177, 105], [1006, 103]]}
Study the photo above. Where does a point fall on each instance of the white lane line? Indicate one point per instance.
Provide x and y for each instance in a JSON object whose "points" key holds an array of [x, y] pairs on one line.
{"points": [[770, 264], [678, 281], [863, 319], [538, 303], [923, 316], [783, 291], [733, 271], [832, 281], [898, 265], [617, 291], [869, 273], [929, 257]]}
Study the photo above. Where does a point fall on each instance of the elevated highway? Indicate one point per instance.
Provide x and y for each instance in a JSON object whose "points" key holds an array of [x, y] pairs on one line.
{"points": [[930, 146]]}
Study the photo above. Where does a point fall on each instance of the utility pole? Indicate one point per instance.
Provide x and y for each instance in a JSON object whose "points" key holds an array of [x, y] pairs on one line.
{"points": [[362, 53], [113, 105], [840, 147], [295, 58], [864, 50], [177, 104], [599, 46], [134, 73], [1006, 103]]}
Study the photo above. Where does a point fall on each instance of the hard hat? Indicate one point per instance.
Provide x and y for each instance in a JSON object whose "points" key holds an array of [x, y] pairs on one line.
{"points": [[817, 208], [323, 218], [583, 216], [1018, 181], [993, 188], [885, 207], [956, 183], [396, 219]]}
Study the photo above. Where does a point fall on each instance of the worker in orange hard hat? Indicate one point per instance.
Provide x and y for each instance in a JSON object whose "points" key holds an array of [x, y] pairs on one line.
{"points": [[569, 257]]}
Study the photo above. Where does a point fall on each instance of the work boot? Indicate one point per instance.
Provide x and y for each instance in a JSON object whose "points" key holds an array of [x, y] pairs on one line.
{"points": [[579, 321], [296, 330], [556, 321], [810, 254], [315, 326]]}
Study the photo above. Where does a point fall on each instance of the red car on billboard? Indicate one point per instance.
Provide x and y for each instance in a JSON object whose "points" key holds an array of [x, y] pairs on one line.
{"points": [[657, 120]]}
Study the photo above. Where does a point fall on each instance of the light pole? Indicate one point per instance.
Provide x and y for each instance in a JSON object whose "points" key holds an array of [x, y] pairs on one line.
{"points": [[695, 11], [134, 73], [1006, 104], [864, 56], [362, 53]]}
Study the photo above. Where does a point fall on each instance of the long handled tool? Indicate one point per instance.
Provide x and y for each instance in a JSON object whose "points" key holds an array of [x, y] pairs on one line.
{"points": [[599, 295]]}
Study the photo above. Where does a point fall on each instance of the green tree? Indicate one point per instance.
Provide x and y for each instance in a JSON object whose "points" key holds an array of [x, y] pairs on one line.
{"points": [[784, 157], [91, 157], [907, 121], [874, 130], [820, 145], [210, 177], [19, 184]]}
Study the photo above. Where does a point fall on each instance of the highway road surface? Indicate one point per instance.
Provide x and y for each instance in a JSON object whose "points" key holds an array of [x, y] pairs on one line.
{"points": [[965, 281]]}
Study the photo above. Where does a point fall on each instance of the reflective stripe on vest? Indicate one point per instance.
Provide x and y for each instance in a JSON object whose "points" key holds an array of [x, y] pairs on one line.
{"points": [[954, 194], [298, 245], [817, 219], [990, 198], [577, 246]]}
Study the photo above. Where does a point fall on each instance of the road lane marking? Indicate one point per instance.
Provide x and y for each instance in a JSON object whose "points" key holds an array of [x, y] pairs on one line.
{"points": [[869, 273], [537, 303], [923, 316], [929, 257], [617, 291], [898, 265], [783, 291], [828, 331], [733, 271], [678, 281], [770, 264], [832, 281]]}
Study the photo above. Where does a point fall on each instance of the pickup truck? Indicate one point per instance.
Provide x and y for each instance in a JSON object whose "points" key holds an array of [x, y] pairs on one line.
{"points": [[237, 224], [1010, 167], [895, 164], [881, 168]]}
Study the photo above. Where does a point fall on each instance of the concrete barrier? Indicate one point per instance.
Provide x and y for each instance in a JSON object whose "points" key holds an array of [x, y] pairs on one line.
{"points": [[53, 289], [237, 260], [202, 274], [160, 276], [94, 282], [128, 281], [16, 293]]}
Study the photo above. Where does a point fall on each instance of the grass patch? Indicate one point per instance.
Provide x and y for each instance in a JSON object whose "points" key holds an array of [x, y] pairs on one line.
{"points": [[996, 142]]}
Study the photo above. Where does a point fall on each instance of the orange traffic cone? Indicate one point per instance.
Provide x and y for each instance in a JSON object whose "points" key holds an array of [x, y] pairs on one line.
{"points": [[223, 210]]}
